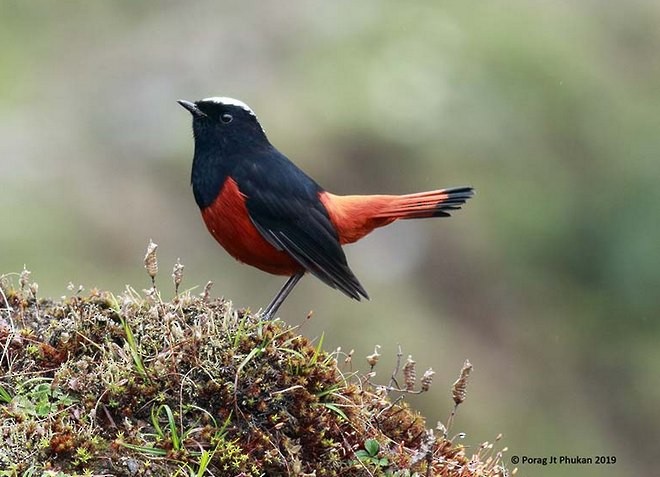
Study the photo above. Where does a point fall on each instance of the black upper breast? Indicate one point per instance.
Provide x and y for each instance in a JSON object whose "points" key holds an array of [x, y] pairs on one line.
{"points": [[208, 176]]}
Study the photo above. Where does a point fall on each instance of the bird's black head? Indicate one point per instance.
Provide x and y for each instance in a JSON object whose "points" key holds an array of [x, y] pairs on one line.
{"points": [[227, 133], [225, 124]]}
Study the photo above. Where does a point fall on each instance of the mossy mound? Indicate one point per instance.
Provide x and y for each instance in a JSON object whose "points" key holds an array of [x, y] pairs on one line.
{"points": [[135, 386]]}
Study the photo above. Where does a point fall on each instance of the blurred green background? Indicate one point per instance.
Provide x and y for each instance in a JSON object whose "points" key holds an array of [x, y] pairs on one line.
{"points": [[546, 281]]}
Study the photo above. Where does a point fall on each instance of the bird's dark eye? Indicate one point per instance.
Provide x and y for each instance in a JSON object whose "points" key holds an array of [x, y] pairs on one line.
{"points": [[226, 118]]}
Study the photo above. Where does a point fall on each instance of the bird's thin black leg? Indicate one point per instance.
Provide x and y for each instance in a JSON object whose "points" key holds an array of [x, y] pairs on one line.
{"points": [[274, 305]]}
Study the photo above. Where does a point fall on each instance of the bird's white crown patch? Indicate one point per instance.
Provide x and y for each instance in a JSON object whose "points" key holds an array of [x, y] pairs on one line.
{"points": [[230, 101]]}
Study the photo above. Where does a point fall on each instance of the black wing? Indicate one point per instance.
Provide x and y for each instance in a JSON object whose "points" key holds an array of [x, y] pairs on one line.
{"points": [[284, 206]]}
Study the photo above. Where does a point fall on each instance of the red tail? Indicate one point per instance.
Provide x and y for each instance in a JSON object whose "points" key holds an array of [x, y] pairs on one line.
{"points": [[354, 216]]}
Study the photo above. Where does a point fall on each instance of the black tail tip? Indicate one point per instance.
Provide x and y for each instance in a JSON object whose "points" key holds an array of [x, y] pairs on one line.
{"points": [[456, 197], [465, 191]]}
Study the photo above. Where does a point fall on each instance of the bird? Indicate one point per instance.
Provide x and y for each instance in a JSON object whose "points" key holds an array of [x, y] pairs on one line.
{"points": [[266, 212]]}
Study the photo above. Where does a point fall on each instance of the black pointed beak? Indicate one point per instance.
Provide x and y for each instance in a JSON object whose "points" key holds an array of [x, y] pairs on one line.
{"points": [[192, 107]]}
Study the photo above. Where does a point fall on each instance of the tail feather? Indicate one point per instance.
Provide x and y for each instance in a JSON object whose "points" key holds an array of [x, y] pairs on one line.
{"points": [[354, 216], [437, 203]]}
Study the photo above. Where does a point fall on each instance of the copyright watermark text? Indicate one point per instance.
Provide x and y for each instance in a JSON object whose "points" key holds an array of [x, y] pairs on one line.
{"points": [[563, 460]]}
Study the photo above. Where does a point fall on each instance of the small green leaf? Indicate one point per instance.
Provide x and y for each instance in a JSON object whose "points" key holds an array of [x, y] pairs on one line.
{"points": [[334, 408], [363, 455], [4, 395], [146, 449], [42, 409], [372, 446], [317, 351]]}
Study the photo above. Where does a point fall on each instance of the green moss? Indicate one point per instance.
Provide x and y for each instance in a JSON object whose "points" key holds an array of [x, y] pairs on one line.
{"points": [[127, 385]]}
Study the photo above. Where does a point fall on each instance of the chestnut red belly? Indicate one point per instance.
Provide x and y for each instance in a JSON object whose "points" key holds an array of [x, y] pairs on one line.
{"points": [[228, 221]]}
